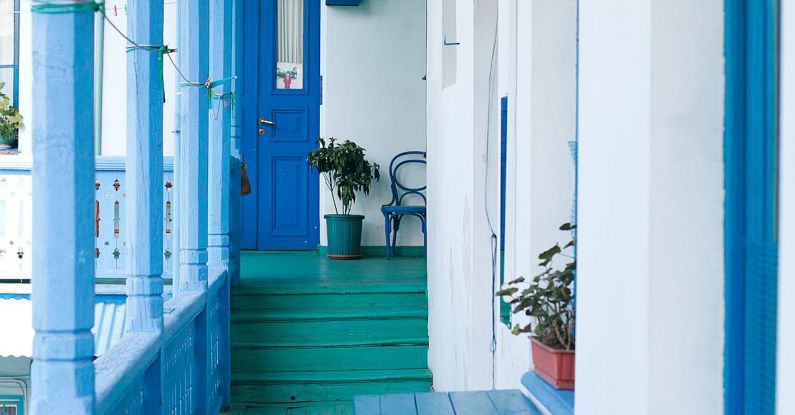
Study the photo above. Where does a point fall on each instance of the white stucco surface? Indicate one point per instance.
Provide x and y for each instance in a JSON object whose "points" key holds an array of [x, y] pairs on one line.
{"points": [[786, 286], [535, 56], [372, 62], [459, 299], [650, 278]]}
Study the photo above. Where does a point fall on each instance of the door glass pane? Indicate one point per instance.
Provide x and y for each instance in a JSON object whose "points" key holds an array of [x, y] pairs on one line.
{"points": [[290, 44]]}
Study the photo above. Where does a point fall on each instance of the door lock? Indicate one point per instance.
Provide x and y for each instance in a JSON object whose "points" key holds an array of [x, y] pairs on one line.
{"points": [[261, 131]]}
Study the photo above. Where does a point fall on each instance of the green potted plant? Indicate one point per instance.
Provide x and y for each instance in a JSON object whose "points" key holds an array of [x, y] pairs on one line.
{"points": [[10, 121], [345, 172], [548, 300]]}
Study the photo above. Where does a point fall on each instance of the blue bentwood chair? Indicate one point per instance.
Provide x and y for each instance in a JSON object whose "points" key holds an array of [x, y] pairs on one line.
{"points": [[397, 208]]}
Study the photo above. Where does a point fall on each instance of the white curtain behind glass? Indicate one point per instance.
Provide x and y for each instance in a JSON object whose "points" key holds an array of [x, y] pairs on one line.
{"points": [[290, 31]]}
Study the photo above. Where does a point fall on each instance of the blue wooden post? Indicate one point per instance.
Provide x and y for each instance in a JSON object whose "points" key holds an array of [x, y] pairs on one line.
{"points": [[237, 70], [220, 132], [175, 234], [144, 168], [237, 137], [218, 170], [62, 373], [192, 186]]}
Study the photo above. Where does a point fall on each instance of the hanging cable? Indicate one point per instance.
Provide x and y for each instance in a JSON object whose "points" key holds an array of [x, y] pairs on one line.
{"points": [[493, 238]]}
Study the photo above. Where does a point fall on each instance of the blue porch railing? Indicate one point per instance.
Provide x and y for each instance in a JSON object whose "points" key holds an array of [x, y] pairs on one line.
{"points": [[141, 224], [192, 357]]}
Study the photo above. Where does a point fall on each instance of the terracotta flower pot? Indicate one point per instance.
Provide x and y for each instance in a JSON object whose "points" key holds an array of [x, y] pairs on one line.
{"points": [[553, 365]]}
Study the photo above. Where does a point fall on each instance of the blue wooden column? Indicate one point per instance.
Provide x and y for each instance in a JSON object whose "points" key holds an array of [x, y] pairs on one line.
{"points": [[144, 167], [175, 235], [175, 228], [62, 373], [236, 139], [220, 132], [237, 70], [194, 109]]}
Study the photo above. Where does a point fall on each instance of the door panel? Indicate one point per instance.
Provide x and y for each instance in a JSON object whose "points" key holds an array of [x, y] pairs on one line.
{"points": [[286, 127]]}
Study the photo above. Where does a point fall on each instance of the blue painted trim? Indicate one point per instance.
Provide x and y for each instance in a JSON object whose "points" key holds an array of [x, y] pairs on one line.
{"points": [[101, 163], [17, 400], [99, 298], [557, 402], [343, 2], [734, 166], [749, 234], [248, 117]]}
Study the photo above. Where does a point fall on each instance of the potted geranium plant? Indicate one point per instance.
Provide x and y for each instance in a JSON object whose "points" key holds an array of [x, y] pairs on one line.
{"points": [[10, 121], [548, 300], [345, 172]]}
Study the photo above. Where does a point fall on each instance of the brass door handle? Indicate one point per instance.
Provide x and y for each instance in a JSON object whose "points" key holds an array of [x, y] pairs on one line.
{"points": [[266, 122]]}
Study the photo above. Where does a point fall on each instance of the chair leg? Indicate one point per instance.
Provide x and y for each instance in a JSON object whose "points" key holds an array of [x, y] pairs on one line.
{"points": [[387, 231], [394, 235], [424, 236]]}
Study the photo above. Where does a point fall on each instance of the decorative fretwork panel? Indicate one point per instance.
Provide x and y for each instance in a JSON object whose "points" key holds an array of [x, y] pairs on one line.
{"points": [[15, 225], [109, 222]]}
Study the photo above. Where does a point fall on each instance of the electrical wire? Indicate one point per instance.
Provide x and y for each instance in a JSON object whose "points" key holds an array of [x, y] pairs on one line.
{"points": [[493, 237]]}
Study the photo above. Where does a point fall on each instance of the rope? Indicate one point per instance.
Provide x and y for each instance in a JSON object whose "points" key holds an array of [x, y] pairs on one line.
{"points": [[163, 50], [66, 7]]}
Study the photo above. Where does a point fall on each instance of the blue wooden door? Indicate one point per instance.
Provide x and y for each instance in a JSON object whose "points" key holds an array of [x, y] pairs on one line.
{"points": [[751, 205], [287, 126]]}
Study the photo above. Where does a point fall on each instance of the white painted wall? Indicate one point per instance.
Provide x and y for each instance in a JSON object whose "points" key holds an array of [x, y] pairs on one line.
{"points": [[650, 280], [786, 283], [373, 61], [536, 69], [459, 289]]}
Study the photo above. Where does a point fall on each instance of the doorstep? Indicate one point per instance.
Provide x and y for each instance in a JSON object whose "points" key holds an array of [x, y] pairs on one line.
{"points": [[549, 400]]}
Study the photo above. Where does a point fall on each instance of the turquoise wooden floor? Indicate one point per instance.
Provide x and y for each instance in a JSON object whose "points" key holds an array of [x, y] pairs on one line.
{"points": [[309, 334], [454, 403]]}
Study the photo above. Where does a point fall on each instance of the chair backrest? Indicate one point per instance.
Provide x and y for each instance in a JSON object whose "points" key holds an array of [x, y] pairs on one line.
{"points": [[400, 191]]}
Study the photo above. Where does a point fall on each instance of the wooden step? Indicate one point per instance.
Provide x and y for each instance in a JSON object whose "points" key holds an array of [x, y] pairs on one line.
{"points": [[286, 387], [305, 329], [253, 358], [327, 301], [363, 313], [301, 408]]}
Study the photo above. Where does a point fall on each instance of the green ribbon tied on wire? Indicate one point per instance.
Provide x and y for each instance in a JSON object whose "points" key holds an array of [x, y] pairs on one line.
{"points": [[65, 7], [161, 51]]}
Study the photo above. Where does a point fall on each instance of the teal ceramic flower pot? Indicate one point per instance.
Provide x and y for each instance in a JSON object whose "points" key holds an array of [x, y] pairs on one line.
{"points": [[344, 236]]}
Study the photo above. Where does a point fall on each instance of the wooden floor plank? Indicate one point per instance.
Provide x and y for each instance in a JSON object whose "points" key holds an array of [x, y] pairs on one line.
{"points": [[512, 403], [472, 403], [401, 404], [367, 405], [434, 404]]}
